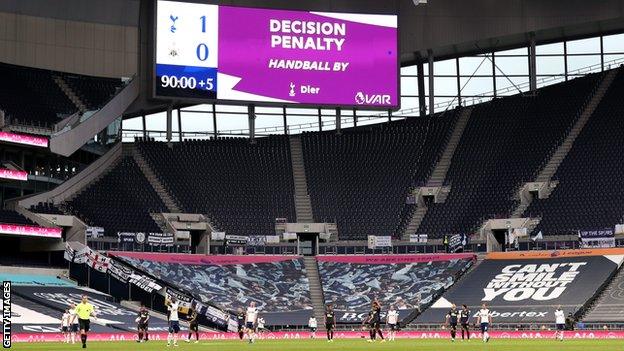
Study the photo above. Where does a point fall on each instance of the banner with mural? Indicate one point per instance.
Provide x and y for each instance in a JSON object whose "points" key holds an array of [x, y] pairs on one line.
{"points": [[527, 289], [277, 284], [407, 282]]}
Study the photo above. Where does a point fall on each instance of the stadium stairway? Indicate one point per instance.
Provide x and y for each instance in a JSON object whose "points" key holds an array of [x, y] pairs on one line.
{"points": [[160, 189], [67, 90], [316, 291], [303, 205], [548, 171], [609, 305], [439, 172], [72, 138]]}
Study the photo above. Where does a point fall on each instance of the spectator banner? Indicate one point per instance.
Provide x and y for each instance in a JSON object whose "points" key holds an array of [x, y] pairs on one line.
{"points": [[119, 271], [160, 239], [98, 261], [457, 242], [272, 239], [526, 290], [235, 240], [185, 300], [144, 282], [215, 315], [597, 238], [24, 139], [408, 282], [29, 230], [13, 174], [375, 241], [256, 240], [419, 238], [126, 237], [76, 252], [217, 236], [94, 232]]}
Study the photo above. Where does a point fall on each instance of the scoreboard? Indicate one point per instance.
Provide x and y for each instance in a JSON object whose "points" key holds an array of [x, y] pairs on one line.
{"points": [[249, 55]]}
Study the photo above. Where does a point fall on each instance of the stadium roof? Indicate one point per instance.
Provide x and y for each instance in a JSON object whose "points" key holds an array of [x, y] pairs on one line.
{"points": [[447, 27]]}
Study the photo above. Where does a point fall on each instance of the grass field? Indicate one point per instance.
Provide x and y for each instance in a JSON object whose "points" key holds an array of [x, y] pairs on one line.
{"points": [[346, 345]]}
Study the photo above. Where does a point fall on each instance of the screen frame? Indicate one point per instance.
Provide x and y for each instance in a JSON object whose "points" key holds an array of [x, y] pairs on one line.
{"points": [[197, 101]]}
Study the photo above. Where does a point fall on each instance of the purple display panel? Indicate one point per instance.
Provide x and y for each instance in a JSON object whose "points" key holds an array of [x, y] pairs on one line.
{"points": [[264, 56], [308, 58]]}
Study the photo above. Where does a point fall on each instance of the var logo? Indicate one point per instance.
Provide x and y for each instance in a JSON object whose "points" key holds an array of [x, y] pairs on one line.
{"points": [[374, 99]]}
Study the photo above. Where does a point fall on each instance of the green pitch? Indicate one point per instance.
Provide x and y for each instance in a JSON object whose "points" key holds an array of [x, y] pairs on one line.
{"points": [[345, 345]]}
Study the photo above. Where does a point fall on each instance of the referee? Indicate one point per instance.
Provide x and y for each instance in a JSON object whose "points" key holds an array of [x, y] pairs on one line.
{"points": [[84, 311]]}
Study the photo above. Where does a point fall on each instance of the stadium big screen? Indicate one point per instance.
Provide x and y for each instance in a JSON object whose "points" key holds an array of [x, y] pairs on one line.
{"points": [[265, 56]]}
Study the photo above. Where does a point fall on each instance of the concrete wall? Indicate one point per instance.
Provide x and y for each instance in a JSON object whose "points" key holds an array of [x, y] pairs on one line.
{"points": [[106, 50]]}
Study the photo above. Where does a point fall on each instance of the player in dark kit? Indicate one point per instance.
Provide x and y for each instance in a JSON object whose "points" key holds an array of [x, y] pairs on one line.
{"points": [[240, 319], [452, 317], [330, 322], [367, 323], [464, 320], [142, 324], [193, 326], [375, 322]]}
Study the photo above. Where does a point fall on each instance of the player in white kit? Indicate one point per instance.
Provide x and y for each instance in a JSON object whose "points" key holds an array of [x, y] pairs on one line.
{"points": [[484, 319], [65, 325], [392, 319], [560, 320], [73, 322], [312, 324], [174, 321], [250, 321]]}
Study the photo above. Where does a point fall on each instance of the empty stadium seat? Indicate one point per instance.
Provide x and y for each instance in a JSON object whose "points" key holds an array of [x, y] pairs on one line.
{"points": [[360, 179], [590, 183], [242, 187], [93, 91], [120, 201], [504, 145], [31, 96], [12, 217]]}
